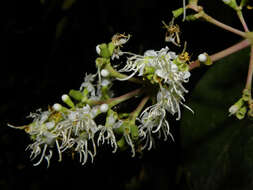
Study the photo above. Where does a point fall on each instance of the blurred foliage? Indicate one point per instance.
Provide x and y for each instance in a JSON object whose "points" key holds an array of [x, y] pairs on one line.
{"points": [[217, 149]]}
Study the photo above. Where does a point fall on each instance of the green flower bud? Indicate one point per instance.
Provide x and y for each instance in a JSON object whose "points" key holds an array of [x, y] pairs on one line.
{"points": [[246, 95], [236, 107], [240, 114], [122, 143], [76, 94], [178, 12], [66, 99]]}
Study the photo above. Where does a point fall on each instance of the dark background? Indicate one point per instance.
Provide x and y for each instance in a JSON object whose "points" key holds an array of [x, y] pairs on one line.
{"points": [[48, 50]]}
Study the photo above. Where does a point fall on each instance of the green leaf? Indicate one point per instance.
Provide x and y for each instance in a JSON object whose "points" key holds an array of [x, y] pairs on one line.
{"points": [[217, 149]]}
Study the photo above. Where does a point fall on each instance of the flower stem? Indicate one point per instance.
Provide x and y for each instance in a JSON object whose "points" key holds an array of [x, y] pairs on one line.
{"points": [[222, 25], [217, 56], [116, 74], [202, 14], [244, 24], [137, 111], [250, 71], [114, 101]]}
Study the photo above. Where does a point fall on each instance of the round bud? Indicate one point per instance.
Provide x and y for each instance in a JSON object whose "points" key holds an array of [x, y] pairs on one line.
{"points": [[98, 50], [105, 73], [57, 107], [64, 97], [202, 57], [104, 108], [105, 82]]}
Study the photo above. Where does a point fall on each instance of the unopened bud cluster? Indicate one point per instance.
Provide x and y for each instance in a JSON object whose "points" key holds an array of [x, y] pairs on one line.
{"points": [[242, 106]]}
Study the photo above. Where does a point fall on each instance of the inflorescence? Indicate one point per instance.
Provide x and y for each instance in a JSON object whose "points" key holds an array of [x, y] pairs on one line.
{"points": [[73, 126]]}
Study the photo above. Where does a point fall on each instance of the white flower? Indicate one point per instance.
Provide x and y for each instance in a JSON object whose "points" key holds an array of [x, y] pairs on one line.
{"points": [[42, 132], [106, 134], [88, 80], [81, 146], [153, 120]]}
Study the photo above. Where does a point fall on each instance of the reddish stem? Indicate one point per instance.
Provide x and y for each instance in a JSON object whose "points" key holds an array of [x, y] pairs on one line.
{"points": [[250, 70], [217, 56]]}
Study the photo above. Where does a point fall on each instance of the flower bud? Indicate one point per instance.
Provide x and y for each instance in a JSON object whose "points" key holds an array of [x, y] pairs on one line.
{"points": [[240, 114], [66, 99], [176, 13], [205, 59], [57, 107], [76, 94], [236, 107], [202, 57], [246, 94], [104, 108], [98, 50], [105, 73]]}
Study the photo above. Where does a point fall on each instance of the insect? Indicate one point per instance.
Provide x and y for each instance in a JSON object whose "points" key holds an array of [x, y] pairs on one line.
{"points": [[172, 32], [120, 39], [184, 56]]}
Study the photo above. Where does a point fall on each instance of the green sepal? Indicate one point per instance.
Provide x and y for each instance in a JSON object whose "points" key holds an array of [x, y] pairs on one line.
{"points": [[120, 130], [183, 67], [240, 114], [33, 137], [150, 77], [191, 18], [105, 53], [208, 61], [134, 132], [176, 13], [105, 91], [149, 70], [122, 143], [111, 48], [100, 61], [76, 94]]}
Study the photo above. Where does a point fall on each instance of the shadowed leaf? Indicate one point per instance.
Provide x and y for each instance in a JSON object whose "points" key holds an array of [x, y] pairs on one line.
{"points": [[218, 150]]}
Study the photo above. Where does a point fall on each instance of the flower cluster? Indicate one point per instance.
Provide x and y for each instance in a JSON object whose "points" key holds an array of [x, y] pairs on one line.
{"points": [[76, 127], [168, 71]]}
